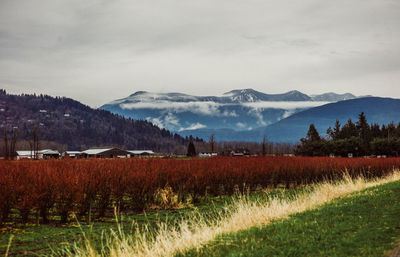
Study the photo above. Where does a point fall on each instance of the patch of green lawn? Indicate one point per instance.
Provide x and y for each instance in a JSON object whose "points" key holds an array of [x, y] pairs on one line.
{"points": [[365, 224], [33, 240]]}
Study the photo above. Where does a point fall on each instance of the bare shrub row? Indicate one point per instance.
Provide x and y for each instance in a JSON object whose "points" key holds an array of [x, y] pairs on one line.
{"points": [[91, 188]]}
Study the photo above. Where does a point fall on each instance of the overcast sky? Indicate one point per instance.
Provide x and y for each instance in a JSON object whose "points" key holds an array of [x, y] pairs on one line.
{"points": [[97, 51]]}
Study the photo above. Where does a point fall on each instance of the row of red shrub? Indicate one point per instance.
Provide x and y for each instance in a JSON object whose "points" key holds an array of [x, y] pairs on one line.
{"points": [[65, 186]]}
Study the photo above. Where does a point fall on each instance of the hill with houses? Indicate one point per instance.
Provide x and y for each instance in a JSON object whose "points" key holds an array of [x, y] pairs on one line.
{"points": [[75, 126]]}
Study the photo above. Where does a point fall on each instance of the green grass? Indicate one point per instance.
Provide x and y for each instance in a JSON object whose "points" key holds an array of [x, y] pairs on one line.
{"points": [[365, 224], [32, 240]]}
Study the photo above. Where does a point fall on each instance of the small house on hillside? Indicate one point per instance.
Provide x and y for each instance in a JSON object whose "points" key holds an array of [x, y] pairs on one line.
{"points": [[106, 153], [141, 153]]}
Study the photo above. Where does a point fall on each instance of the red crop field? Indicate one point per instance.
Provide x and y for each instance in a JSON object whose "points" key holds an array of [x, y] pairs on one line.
{"points": [[95, 186]]}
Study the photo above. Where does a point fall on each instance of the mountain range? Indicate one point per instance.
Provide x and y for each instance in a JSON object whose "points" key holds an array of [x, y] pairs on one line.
{"points": [[291, 129], [237, 115], [377, 110], [244, 109]]}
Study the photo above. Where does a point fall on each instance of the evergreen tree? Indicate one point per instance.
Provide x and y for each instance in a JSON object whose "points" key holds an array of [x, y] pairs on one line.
{"points": [[397, 131], [349, 130], [375, 131], [335, 133], [191, 151], [312, 145], [312, 134], [364, 132], [363, 127], [391, 130]]}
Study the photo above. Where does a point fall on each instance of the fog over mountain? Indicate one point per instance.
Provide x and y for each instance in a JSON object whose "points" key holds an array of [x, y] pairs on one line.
{"points": [[237, 110], [291, 129]]}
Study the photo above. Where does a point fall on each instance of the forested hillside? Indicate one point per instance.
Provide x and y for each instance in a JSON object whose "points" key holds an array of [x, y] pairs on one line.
{"points": [[77, 126]]}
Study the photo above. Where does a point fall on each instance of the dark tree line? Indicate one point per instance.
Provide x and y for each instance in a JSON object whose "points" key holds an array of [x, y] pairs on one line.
{"points": [[357, 139], [249, 148]]}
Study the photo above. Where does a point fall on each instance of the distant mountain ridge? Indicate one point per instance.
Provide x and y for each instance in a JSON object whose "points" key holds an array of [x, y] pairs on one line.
{"points": [[235, 96], [251, 95], [377, 110], [293, 128], [78, 126], [333, 97], [236, 110]]}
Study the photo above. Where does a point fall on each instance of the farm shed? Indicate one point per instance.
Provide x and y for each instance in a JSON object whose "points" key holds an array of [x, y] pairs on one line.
{"points": [[141, 153], [24, 154], [206, 155], [41, 154], [72, 154], [48, 154], [106, 153]]}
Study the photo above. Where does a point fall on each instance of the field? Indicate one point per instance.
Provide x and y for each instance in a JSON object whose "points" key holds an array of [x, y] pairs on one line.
{"points": [[345, 227], [41, 202], [31, 240]]}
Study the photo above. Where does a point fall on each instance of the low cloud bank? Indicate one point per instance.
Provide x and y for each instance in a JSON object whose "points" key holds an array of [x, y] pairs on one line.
{"points": [[194, 126], [215, 109]]}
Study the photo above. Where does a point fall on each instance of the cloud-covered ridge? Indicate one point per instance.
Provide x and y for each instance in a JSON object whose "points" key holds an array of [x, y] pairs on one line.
{"points": [[215, 109]]}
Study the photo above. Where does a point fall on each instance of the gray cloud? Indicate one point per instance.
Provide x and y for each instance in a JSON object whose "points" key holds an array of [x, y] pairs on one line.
{"points": [[98, 51]]}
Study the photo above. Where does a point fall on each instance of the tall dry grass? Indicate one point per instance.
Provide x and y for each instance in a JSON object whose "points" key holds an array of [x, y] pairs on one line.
{"points": [[243, 214]]}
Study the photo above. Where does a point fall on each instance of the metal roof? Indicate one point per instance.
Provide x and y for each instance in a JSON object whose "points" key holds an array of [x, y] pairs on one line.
{"points": [[31, 153], [25, 153], [141, 151], [96, 151], [72, 152], [49, 151]]}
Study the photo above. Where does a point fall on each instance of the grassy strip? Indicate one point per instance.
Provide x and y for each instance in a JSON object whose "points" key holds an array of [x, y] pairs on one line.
{"points": [[32, 240], [197, 231], [365, 224]]}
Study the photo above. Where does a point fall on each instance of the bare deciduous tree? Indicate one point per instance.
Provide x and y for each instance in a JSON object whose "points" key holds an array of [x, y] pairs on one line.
{"points": [[211, 141], [10, 142], [264, 150], [34, 143]]}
